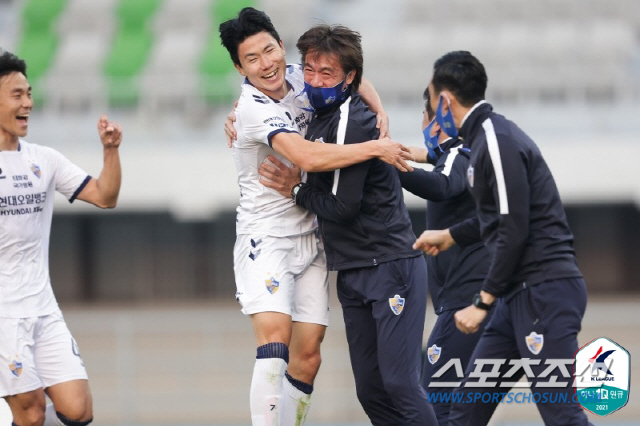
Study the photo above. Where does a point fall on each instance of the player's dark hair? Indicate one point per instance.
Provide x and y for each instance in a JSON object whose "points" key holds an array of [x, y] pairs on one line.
{"points": [[249, 22], [10, 63], [427, 103], [345, 43], [463, 75]]}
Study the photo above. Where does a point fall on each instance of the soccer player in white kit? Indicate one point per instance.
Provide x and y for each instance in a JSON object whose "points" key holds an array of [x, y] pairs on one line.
{"points": [[38, 355], [279, 263]]}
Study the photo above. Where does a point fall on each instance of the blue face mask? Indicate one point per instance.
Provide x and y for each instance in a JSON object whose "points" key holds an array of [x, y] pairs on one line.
{"points": [[431, 142], [324, 97], [446, 122]]}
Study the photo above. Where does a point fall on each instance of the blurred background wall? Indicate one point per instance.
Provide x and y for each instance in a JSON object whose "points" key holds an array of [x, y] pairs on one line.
{"points": [[567, 72]]}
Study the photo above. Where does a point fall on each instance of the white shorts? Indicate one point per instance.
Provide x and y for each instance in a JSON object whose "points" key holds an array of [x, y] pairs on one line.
{"points": [[37, 353], [282, 274]]}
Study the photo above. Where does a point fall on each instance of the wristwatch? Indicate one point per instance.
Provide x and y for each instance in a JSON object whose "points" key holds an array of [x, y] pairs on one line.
{"points": [[478, 303], [294, 191]]}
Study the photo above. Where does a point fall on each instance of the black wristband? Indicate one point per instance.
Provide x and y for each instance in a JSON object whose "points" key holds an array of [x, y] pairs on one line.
{"points": [[478, 303]]}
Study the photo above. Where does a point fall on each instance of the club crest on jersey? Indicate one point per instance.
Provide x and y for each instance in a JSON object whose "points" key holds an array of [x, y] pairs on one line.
{"points": [[397, 304], [272, 284], [535, 342], [16, 368], [433, 354], [36, 170], [470, 175]]}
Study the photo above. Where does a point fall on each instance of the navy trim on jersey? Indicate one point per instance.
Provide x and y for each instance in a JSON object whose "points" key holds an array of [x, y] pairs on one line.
{"points": [[275, 132], [261, 99], [80, 188]]}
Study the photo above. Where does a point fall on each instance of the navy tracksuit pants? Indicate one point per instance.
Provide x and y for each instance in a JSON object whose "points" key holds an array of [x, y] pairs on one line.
{"points": [[384, 310], [446, 342], [550, 314]]}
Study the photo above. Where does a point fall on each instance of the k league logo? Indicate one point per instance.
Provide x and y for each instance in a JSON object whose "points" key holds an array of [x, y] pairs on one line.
{"points": [[602, 376]]}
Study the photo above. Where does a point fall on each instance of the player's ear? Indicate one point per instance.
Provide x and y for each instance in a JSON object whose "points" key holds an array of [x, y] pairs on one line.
{"points": [[282, 47], [240, 70]]}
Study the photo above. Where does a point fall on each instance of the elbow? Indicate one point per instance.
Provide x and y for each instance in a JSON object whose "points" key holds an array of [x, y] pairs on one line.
{"points": [[309, 164], [348, 213], [107, 204]]}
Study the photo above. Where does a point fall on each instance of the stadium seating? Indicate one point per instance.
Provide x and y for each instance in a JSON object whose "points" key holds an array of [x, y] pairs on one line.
{"points": [[219, 81], [40, 15], [39, 40], [129, 51], [150, 53]]}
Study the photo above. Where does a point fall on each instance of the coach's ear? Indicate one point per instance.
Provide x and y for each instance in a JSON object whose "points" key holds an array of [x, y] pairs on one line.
{"points": [[451, 98], [351, 75]]}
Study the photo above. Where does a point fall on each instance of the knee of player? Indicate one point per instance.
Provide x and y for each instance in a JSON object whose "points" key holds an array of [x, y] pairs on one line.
{"points": [[32, 416], [29, 409], [310, 358], [78, 414], [70, 422]]}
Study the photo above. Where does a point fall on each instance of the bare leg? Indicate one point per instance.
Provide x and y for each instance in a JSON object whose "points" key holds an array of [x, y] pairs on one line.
{"points": [[27, 408], [72, 399]]}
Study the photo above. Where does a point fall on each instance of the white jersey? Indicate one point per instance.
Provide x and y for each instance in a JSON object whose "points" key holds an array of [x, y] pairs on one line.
{"points": [[258, 119], [29, 178]]}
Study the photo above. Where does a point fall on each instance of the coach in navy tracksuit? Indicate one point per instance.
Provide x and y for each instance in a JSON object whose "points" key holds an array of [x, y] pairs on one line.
{"points": [[533, 281], [367, 235], [457, 274]]}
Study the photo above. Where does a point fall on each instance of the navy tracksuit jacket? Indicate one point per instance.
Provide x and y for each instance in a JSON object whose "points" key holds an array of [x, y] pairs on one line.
{"points": [[533, 268], [367, 236]]}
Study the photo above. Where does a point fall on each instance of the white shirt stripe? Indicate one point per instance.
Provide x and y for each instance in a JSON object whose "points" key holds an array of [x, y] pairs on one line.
{"points": [[448, 164], [342, 131], [494, 153]]}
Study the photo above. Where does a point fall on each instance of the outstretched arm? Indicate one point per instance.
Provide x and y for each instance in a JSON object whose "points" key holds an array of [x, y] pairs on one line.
{"points": [[322, 157], [103, 192]]}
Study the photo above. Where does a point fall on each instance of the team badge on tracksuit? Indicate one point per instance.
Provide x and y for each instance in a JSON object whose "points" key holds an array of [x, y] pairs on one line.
{"points": [[535, 342], [433, 354], [397, 304]]}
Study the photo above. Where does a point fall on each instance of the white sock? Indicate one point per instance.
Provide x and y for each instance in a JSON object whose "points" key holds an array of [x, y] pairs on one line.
{"points": [[295, 403], [266, 391], [50, 417]]}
